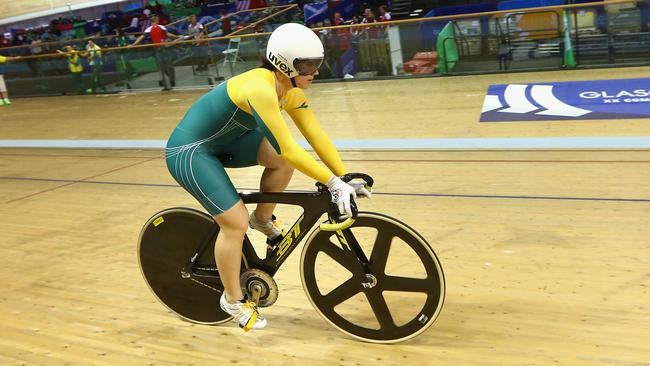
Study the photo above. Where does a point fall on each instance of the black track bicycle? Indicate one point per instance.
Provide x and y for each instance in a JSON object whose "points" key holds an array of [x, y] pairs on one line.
{"points": [[371, 276]]}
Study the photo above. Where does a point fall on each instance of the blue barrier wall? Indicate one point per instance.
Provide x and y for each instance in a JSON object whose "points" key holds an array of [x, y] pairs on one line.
{"points": [[463, 9], [520, 4]]}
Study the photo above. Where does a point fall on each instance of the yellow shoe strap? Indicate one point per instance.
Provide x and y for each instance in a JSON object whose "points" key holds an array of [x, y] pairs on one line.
{"points": [[251, 321]]}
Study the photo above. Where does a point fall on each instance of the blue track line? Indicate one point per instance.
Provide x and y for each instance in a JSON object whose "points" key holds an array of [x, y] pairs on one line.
{"points": [[645, 200]]}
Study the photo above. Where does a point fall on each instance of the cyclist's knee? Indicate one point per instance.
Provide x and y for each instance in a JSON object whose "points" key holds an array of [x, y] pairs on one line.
{"points": [[234, 228], [285, 165], [269, 158], [279, 163], [234, 221]]}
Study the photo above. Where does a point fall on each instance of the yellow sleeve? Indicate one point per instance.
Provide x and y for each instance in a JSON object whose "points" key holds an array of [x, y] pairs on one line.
{"points": [[298, 108], [265, 108], [3, 59]]}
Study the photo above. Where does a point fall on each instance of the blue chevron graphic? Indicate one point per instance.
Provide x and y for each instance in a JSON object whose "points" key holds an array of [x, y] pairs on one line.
{"points": [[574, 100]]}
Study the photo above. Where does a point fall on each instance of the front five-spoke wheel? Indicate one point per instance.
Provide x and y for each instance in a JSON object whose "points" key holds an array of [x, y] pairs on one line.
{"points": [[394, 297]]}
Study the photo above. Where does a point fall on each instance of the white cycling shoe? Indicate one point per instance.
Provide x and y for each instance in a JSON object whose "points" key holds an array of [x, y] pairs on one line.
{"points": [[245, 312], [267, 228]]}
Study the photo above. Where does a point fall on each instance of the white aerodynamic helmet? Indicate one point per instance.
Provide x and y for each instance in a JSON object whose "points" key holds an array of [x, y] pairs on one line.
{"points": [[295, 50]]}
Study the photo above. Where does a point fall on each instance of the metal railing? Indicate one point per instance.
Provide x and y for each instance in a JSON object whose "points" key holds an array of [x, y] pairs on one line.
{"points": [[366, 49]]}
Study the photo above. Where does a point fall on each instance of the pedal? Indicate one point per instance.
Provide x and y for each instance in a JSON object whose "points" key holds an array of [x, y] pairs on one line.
{"points": [[272, 244], [256, 293]]}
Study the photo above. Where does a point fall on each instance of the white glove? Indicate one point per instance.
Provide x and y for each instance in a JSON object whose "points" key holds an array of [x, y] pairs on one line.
{"points": [[361, 190], [342, 194]]}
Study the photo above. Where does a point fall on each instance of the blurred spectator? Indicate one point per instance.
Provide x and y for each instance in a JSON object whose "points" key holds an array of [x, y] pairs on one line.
{"points": [[369, 17], [94, 54], [356, 31], [20, 39], [145, 20], [121, 38], [226, 27], [54, 30], [164, 55], [162, 13], [338, 18], [156, 32], [123, 41], [337, 42], [503, 54], [384, 15], [196, 31], [6, 40], [113, 22], [4, 94], [35, 49], [133, 26], [45, 36], [75, 66], [342, 36]]}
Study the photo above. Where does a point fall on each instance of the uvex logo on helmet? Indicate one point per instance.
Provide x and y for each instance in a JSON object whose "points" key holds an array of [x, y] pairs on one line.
{"points": [[279, 64]]}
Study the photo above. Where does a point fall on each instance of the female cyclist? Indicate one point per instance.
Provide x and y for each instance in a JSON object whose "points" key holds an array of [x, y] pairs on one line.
{"points": [[239, 124]]}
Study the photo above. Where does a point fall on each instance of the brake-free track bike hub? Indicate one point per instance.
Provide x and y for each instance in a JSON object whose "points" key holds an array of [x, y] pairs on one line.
{"points": [[259, 284]]}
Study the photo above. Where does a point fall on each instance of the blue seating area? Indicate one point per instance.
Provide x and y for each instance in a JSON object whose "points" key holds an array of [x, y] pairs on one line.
{"points": [[461, 9], [521, 4], [501, 5]]}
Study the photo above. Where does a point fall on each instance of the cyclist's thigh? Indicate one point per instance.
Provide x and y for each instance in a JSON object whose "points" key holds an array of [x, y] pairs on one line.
{"points": [[202, 174], [268, 157], [242, 152]]}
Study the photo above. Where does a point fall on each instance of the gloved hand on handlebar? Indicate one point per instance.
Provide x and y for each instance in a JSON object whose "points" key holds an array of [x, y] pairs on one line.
{"points": [[342, 195], [362, 189]]}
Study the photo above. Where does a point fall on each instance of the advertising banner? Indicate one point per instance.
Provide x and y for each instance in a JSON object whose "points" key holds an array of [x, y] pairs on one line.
{"points": [[574, 100]]}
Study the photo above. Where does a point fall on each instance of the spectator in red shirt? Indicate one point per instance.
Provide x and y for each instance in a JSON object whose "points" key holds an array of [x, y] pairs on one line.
{"points": [[343, 34], [158, 33], [369, 17], [164, 55]]}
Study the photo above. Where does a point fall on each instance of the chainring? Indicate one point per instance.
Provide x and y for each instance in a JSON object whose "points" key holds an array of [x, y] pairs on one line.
{"points": [[253, 276]]}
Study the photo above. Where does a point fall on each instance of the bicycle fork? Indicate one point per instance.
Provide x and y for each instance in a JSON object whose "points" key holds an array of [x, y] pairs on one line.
{"points": [[350, 244]]}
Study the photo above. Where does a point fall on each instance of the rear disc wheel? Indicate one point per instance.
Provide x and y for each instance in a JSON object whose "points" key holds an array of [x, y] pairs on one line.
{"points": [[167, 244]]}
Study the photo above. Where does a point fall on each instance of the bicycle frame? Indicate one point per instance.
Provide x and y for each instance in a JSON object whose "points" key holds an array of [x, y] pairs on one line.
{"points": [[314, 205]]}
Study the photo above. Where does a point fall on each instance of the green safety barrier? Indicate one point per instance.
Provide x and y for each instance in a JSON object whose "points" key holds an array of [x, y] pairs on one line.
{"points": [[148, 64], [569, 57], [447, 49]]}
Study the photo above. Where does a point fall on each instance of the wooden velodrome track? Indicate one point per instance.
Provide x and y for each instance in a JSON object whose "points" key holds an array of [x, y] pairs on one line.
{"points": [[545, 251]]}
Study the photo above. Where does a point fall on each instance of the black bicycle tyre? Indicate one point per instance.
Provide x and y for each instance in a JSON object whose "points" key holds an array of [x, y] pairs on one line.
{"points": [[166, 244], [431, 309]]}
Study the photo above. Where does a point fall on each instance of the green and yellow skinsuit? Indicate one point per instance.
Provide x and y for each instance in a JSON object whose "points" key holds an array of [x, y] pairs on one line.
{"points": [[224, 128]]}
